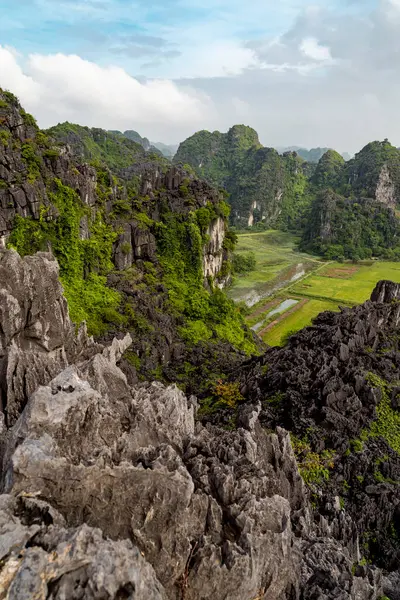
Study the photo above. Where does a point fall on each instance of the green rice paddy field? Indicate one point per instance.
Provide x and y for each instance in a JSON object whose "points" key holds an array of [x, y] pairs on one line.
{"points": [[296, 287]]}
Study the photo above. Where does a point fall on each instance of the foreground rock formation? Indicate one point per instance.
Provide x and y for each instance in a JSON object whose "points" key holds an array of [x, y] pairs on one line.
{"points": [[112, 491]]}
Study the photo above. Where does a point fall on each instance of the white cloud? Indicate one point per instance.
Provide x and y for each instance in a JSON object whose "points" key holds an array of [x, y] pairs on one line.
{"points": [[58, 87], [218, 58], [242, 109], [312, 49]]}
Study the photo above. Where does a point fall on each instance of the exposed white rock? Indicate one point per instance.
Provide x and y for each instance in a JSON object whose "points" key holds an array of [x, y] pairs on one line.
{"points": [[385, 189]]}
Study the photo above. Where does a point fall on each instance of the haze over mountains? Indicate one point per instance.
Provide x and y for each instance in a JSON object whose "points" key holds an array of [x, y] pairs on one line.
{"points": [[199, 336], [169, 150], [174, 451], [311, 155]]}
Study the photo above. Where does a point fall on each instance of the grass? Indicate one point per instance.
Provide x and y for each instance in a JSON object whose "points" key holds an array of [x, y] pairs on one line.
{"points": [[297, 320], [276, 264], [354, 290], [326, 286]]}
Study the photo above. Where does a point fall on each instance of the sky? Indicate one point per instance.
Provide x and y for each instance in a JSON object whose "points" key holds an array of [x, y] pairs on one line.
{"points": [[307, 73]]}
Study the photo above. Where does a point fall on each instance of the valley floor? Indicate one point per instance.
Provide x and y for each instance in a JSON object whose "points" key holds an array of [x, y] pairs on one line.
{"points": [[288, 289]]}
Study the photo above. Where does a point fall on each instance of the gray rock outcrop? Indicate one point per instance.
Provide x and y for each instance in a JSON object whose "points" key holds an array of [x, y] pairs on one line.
{"points": [[37, 338], [116, 492]]}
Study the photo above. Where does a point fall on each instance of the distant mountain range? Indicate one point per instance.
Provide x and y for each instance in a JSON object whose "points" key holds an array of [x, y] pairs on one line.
{"points": [[345, 209], [167, 150], [313, 155]]}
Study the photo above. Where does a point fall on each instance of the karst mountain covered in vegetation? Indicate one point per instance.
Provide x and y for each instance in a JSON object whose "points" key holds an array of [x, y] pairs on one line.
{"points": [[343, 209], [151, 446]]}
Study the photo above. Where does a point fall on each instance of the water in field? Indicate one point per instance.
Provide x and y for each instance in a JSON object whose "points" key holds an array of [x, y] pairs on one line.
{"points": [[264, 289], [283, 306]]}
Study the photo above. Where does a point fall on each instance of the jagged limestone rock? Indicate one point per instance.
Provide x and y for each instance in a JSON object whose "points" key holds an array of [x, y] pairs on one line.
{"points": [[112, 491], [37, 338], [66, 564]]}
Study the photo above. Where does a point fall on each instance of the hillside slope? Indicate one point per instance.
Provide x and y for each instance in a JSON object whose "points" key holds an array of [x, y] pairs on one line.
{"points": [[354, 211], [142, 246], [278, 480], [263, 186]]}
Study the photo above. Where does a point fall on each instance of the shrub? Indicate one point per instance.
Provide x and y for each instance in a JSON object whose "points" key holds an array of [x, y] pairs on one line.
{"points": [[32, 160], [244, 263], [194, 332], [51, 153], [28, 119], [228, 394], [387, 423], [314, 468]]}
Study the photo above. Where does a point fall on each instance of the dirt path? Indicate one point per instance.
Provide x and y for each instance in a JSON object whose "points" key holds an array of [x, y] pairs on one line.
{"points": [[284, 315]]}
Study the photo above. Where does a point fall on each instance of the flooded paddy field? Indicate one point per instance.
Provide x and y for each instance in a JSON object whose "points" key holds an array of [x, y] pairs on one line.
{"points": [[277, 265], [288, 289]]}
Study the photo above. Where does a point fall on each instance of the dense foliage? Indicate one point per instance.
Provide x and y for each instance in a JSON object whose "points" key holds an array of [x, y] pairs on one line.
{"points": [[244, 262], [263, 186], [353, 214], [84, 263], [351, 228], [329, 170], [113, 149], [361, 174]]}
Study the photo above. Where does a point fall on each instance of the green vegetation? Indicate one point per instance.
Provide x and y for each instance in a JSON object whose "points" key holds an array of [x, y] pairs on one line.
{"points": [[32, 160], [224, 395], [387, 424], [243, 263], [208, 315], [228, 394], [303, 317], [340, 228], [260, 182], [9, 97], [314, 468], [28, 119], [328, 171], [347, 283], [327, 285], [364, 170], [276, 264], [84, 264], [5, 137], [352, 213], [114, 150]]}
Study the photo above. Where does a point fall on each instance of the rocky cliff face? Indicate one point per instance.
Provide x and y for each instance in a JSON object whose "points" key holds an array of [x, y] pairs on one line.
{"points": [[261, 183], [213, 258], [136, 238], [37, 338], [112, 491], [385, 189], [335, 387]]}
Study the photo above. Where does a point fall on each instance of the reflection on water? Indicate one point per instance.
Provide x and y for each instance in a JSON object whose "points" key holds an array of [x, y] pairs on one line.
{"points": [[291, 275], [276, 311], [282, 307], [298, 275]]}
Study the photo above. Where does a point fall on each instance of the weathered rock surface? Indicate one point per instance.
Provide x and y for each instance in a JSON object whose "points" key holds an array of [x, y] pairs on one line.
{"points": [[112, 491], [385, 189], [42, 559], [328, 386], [37, 338]]}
